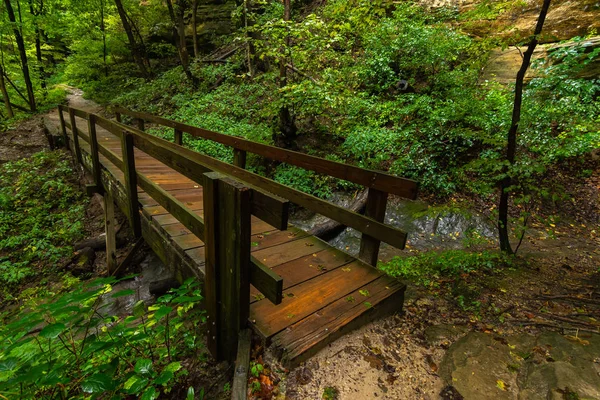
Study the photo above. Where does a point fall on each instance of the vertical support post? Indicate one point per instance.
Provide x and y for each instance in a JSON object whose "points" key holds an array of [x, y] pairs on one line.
{"points": [[63, 128], [111, 239], [131, 183], [178, 137], [118, 116], [369, 246], [239, 158], [227, 238], [75, 135], [96, 171], [140, 124]]}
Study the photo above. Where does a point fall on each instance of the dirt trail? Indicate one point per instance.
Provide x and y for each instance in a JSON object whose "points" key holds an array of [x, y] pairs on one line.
{"points": [[29, 137]]}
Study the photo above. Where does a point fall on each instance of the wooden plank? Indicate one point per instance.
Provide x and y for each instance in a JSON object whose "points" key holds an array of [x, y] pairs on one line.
{"points": [[178, 137], [63, 128], [270, 208], [239, 389], [266, 281], [306, 268], [111, 156], [305, 338], [274, 238], [109, 125], [131, 184], [80, 113], [191, 164], [186, 242], [369, 246], [179, 211], [368, 178], [96, 171], [111, 236], [233, 262], [75, 136], [306, 298], [285, 252], [210, 254], [239, 158]]}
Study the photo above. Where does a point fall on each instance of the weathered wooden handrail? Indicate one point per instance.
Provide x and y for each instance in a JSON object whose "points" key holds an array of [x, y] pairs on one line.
{"points": [[378, 183], [371, 179]]}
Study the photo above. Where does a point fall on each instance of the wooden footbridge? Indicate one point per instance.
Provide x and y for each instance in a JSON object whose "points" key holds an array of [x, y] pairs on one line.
{"points": [[229, 227]]}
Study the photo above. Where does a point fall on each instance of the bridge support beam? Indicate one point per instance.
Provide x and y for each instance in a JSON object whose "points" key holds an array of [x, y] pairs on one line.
{"points": [[227, 213]]}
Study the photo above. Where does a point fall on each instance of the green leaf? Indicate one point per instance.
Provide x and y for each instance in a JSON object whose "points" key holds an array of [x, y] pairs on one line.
{"points": [[143, 366], [173, 367], [8, 365], [190, 393], [150, 394], [135, 384], [139, 308], [164, 378], [162, 312], [122, 293], [98, 383], [53, 330]]}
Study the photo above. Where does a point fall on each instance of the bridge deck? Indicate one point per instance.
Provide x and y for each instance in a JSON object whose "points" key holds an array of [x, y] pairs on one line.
{"points": [[326, 292]]}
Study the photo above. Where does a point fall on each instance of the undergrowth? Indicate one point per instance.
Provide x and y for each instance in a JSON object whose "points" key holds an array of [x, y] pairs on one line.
{"points": [[41, 215], [84, 352]]}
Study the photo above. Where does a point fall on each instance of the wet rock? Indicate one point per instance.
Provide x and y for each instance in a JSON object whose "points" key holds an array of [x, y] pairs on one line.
{"points": [[437, 334], [523, 367], [82, 263]]}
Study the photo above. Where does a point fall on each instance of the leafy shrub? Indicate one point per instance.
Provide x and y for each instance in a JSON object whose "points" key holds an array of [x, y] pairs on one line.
{"points": [[426, 268], [81, 352], [41, 213], [303, 180]]}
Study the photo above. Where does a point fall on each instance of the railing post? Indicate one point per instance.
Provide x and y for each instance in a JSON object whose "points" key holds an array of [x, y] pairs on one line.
{"points": [[369, 246], [96, 171], [141, 125], [63, 128], [131, 183], [118, 116], [178, 137], [111, 240], [75, 135], [227, 211], [239, 158]]}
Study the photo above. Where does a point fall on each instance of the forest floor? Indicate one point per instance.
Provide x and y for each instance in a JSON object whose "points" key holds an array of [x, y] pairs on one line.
{"points": [[529, 330]]}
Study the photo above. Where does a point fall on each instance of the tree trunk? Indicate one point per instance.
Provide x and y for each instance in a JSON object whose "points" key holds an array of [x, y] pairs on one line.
{"points": [[7, 105], [179, 32], [511, 148], [103, 30], [195, 28], [287, 126], [22, 54], [136, 52], [38, 42]]}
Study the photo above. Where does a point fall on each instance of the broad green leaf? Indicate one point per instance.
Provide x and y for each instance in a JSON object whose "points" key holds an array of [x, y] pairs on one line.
{"points": [[135, 384], [143, 366], [173, 367], [8, 365], [164, 378], [139, 308], [53, 330], [150, 394], [122, 293], [98, 383], [162, 312], [190, 394]]}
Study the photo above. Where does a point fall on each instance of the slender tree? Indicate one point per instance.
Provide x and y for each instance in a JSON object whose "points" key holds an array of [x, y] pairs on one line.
{"points": [[103, 31], [137, 51], [195, 27], [287, 126], [511, 148], [177, 14], [7, 105], [22, 54], [35, 13]]}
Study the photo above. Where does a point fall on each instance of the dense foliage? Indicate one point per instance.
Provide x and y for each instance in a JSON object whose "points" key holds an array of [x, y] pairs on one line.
{"points": [[41, 214], [82, 351]]}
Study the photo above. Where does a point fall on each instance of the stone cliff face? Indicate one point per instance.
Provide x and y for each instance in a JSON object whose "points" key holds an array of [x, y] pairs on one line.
{"points": [[213, 19]]}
